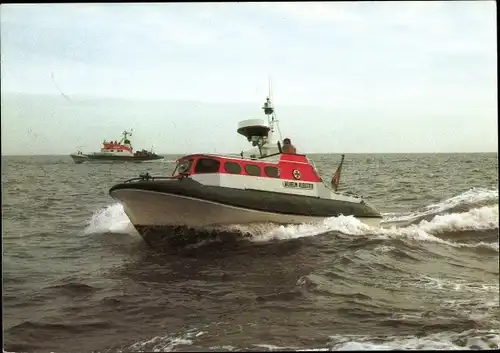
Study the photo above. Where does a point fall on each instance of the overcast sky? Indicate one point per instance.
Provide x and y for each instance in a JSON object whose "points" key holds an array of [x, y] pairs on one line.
{"points": [[347, 77]]}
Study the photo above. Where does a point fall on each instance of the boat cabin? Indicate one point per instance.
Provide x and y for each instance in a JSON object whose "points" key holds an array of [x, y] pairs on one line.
{"points": [[121, 147], [114, 146], [287, 167], [283, 172]]}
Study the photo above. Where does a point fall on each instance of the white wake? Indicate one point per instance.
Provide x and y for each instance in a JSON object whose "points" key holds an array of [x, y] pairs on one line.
{"points": [[112, 219]]}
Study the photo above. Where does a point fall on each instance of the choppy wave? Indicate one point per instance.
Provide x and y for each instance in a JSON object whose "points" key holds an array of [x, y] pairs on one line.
{"points": [[466, 340], [110, 219], [473, 198]]}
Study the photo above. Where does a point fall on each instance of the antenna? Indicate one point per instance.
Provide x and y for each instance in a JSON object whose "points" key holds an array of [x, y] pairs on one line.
{"points": [[270, 90], [273, 118]]}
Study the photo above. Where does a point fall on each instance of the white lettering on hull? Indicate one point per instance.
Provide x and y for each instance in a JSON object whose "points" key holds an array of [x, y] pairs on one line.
{"points": [[294, 184]]}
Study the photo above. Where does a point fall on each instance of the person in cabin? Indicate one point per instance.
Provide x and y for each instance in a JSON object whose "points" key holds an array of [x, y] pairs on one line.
{"points": [[288, 147]]}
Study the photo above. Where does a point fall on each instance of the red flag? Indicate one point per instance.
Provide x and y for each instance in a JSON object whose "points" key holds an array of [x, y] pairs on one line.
{"points": [[336, 176]]}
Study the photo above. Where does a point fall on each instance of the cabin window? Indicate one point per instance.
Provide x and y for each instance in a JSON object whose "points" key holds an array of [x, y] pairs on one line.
{"points": [[232, 168], [272, 172], [185, 166], [253, 170], [206, 165]]}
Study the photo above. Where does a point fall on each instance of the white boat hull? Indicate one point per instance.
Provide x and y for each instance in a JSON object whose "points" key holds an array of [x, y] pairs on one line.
{"points": [[84, 158], [152, 209], [78, 158]]}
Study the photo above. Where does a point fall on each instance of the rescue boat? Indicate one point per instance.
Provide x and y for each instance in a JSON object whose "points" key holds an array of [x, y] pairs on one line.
{"points": [[116, 151], [263, 185]]}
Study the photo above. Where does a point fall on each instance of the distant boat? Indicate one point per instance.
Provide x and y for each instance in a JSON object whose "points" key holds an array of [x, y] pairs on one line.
{"points": [[115, 152]]}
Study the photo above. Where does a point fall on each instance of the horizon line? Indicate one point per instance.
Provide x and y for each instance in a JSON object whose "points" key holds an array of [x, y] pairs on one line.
{"points": [[312, 153]]}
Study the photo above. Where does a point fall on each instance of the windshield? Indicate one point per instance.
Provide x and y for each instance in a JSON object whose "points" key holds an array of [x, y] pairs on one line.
{"points": [[183, 167]]}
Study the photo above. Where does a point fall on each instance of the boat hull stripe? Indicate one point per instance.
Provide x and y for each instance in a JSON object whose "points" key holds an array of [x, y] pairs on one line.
{"points": [[265, 201]]}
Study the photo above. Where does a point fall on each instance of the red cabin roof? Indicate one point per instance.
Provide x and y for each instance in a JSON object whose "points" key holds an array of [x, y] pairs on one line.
{"points": [[294, 167], [117, 146]]}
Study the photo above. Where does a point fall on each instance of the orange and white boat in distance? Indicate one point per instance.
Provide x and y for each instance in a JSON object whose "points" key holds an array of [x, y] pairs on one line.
{"points": [[115, 152], [263, 185]]}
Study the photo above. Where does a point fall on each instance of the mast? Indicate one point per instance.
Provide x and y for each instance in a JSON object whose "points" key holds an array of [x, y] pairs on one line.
{"points": [[125, 139], [269, 111], [125, 134], [259, 132]]}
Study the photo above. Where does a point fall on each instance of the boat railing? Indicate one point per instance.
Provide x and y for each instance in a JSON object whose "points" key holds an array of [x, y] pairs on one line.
{"points": [[268, 155], [313, 164], [147, 176]]}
